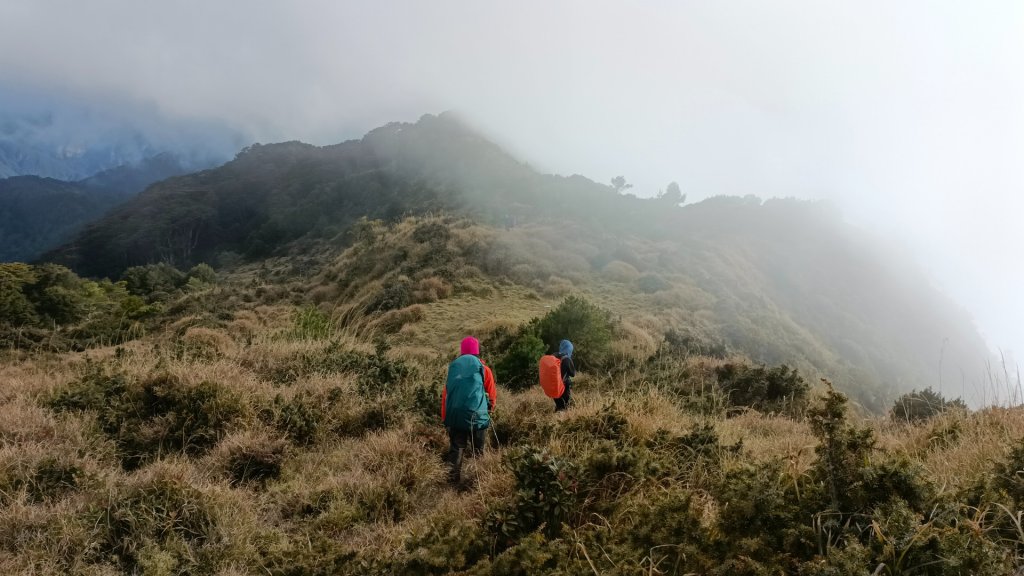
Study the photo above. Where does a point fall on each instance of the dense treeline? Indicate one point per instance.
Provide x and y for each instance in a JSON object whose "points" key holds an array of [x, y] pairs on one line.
{"points": [[52, 306]]}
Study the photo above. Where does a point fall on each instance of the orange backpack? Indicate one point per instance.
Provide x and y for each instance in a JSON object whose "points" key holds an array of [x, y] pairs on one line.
{"points": [[551, 376]]}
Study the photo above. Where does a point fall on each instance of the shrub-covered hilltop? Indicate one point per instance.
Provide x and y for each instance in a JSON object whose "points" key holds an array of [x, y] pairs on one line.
{"points": [[278, 413]]}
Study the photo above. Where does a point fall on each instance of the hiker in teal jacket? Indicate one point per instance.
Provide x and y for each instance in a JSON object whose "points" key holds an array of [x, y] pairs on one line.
{"points": [[466, 404]]}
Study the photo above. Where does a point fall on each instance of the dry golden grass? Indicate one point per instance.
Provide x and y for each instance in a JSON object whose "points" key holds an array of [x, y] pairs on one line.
{"points": [[374, 490], [955, 447]]}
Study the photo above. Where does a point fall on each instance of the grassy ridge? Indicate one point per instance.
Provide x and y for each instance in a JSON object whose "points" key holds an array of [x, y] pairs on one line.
{"points": [[273, 445], [282, 418]]}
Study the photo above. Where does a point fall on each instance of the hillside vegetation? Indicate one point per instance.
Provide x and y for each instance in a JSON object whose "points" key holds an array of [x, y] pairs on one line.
{"points": [[778, 281], [246, 430], [38, 214], [756, 392]]}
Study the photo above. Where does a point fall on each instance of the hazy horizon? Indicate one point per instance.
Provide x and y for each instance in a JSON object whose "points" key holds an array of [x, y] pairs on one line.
{"points": [[909, 117]]}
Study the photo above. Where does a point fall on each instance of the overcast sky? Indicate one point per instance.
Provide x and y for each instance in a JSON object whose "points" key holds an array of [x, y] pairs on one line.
{"points": [[909, 114]]}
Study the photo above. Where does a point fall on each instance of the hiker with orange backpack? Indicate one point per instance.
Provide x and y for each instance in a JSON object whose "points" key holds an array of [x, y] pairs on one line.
{"points": [[556, 374], [467, 401]]}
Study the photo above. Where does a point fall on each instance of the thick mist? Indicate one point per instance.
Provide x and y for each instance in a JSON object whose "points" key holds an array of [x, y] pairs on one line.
{"points": [[908, 116]]}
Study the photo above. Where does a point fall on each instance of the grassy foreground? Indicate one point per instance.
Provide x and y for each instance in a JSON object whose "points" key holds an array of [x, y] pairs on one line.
{"points": [[275, 445], [283, 419]]}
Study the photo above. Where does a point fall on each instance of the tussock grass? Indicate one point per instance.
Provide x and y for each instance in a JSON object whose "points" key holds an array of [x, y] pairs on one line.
{"points": [[329, 455]]}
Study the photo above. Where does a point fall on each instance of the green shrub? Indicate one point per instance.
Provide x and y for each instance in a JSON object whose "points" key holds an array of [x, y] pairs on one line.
{"points": [[841, 450], [534, 554], [663, 530], [588, 326], [203, 273], [854, 484], [905, 541], [447, 545], [153, 281], [917, 406], [171, 416], [15, 307], [762, 517], [518, 366], [395, 295], [1007, 474], [609, 423], [94, 390], [681, 455], [546, 489], [608, 469], [300, 417], [379, 375], [425, 401], [779, 389]]}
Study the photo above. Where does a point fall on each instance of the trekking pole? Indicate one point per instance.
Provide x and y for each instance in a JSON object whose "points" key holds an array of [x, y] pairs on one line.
{"points": [[494, 430]]}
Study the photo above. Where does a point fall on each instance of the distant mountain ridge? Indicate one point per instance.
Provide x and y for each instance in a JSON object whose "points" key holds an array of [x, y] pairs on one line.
{"points": [[39, 213]]}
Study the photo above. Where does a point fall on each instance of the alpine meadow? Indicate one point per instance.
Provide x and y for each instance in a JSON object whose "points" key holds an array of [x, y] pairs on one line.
{"points": [[570, 288], [240, 371]]}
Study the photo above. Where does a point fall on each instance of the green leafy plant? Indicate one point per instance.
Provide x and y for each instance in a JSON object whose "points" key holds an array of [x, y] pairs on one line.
{"points": [[518, 365], [546, 489]]}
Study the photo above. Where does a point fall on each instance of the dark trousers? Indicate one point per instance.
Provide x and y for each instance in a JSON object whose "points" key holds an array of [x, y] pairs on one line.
{"points": [[563, 401], [459, 441]]}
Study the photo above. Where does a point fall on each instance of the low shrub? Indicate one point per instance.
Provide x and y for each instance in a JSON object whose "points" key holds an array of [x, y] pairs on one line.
{"points": [[160, 515], [447, 544], [518, 365], [763, 519], [255, 460], [651, 283], [159, 416], [393, 321], [692, 342], [608, 423], [203, 344], [55, 477], [662, 530], [916, 406], [394, 295], [779, 389], [379, 375], [588, 326], [301, 418], [546, 490]]}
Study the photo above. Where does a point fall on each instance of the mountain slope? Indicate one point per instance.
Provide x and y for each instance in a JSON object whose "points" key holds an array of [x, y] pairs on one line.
{"points": [[778, 281], [38, 214]]}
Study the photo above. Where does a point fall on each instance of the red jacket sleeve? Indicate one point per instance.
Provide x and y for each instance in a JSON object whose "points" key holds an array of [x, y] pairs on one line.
{"points": [[444, 394], [490, 387]]}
